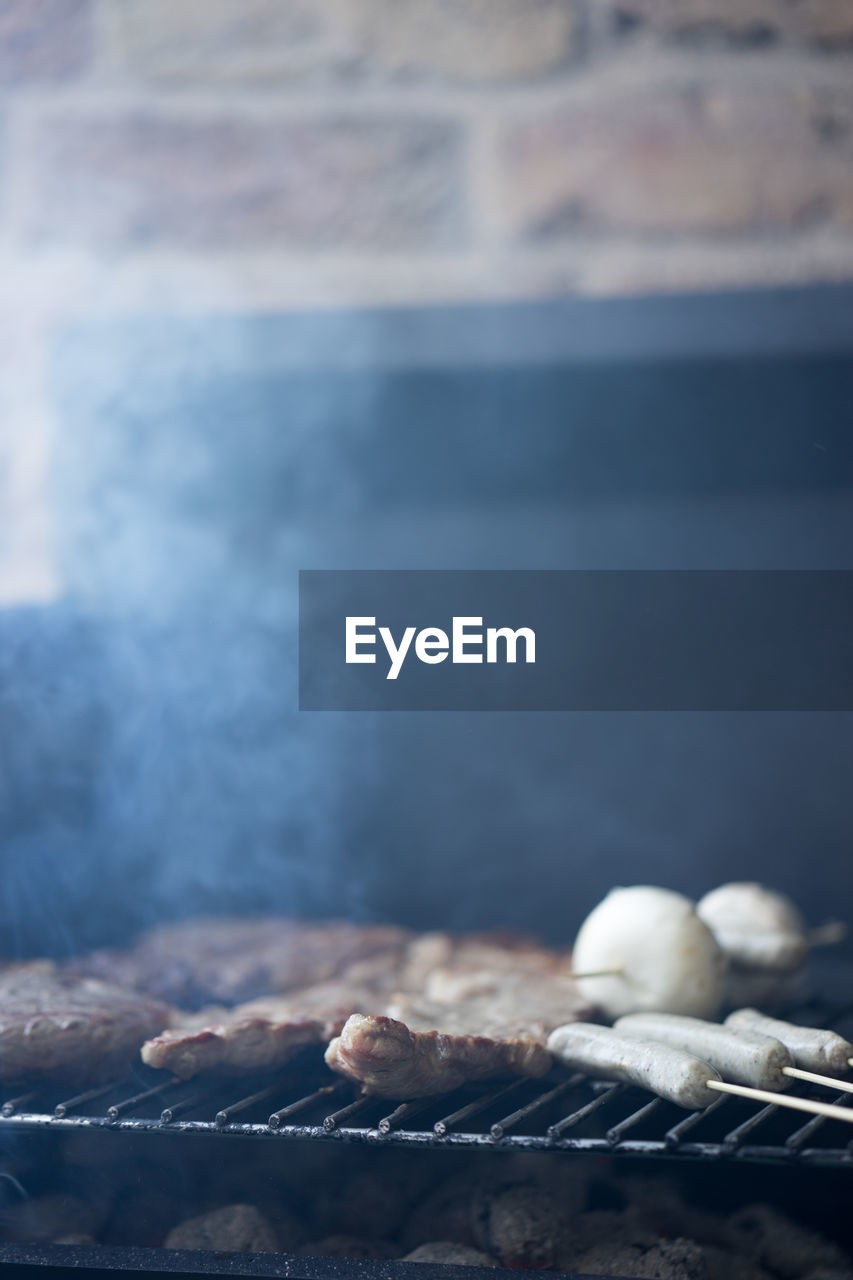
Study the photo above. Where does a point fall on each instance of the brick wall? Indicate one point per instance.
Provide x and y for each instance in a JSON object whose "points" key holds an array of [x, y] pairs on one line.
{"points": [[260, 154]]}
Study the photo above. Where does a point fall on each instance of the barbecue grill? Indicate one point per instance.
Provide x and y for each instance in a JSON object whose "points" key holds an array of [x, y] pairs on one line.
{"points": [[565, 1113], [596, 462]]}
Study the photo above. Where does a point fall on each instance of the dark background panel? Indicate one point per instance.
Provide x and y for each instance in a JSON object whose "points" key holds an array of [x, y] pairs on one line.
{"points": [[152, 759]]}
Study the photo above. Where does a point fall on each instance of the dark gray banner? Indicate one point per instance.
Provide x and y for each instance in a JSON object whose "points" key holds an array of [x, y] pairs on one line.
{"points": [[552, 640]]}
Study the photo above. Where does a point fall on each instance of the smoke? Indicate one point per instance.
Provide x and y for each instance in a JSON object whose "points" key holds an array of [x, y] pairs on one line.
{"points": [[152, 760]]}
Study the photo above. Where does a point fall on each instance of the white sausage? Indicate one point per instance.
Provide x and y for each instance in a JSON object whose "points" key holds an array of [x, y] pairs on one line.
{"points": [[811, 1049], [665, 956], [756, 927], [743, 1056], [602, 1052]]}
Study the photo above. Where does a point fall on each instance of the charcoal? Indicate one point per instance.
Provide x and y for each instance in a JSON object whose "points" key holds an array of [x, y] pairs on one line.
{"points": [[723, 1264], [674, 1260], [370, 1205], [349, 1247], [522, 1226], [449, 1253], [49, 1217], [234, 1228], [782, 1245], [444, 1212], [585, 1231]]}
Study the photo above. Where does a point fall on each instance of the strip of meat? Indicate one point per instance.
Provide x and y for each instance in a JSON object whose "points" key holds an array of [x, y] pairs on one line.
{"points": [[260, 1035], [226, 961], [233, 1045], [53, 1024], [391, 1060]]}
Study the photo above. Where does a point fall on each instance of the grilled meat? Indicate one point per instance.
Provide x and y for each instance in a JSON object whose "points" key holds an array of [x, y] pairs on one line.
{"points": [[262, 1034], [500, 1005], [56, 1024], [225, 961], [389, 1059]]}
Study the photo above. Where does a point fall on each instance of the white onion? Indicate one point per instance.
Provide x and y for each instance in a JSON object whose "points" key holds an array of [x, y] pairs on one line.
{"points": [[666, 957]]}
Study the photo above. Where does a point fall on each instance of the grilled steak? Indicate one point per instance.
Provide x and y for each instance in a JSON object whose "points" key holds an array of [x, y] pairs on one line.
{"points": [[472, 963], [486, 1013], [500, 1006], [391, 1060], [55, 1024], [225, 961], [262, 1034], [508, 996]]}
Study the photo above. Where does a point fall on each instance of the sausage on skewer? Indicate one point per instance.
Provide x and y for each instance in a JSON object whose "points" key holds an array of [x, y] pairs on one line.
{"points": [[599, 1051], [811, 1048], [744, 1056]]}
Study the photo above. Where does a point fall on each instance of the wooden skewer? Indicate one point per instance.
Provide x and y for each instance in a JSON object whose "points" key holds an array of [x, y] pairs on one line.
{"points": [[828, 1109], [595, 973], [813, 1078], [826, 935]]}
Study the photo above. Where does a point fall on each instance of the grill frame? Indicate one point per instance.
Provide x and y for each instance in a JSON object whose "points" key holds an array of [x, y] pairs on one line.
{"points": [[78, 1260]]}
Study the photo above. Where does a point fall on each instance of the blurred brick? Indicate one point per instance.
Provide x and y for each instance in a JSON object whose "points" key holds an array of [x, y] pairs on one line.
{"points": [[834, 122], [675, 160], [468, 40], [313, 183], [43, 39], [810, 21]]}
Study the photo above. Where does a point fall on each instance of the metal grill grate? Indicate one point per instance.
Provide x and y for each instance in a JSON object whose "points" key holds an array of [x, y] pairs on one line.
{"points": [[568, 1114]]}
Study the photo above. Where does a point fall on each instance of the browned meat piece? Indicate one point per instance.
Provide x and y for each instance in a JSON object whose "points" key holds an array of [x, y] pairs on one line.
{"points": [[55, 1024], [494, 1014], [503, 1005], [260, 1035], [450, 966], [226, 961], [389, 1059]]}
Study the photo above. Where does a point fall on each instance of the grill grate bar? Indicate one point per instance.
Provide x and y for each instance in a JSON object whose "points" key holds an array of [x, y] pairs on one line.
{"points": [[71, 1104], [800, 1136], [736, 1136], [472, 1108], [128, 1104], [11, 1105], [673, 1136], [614, 1135], [352, 1109], [500, 1127], [235, 1108], [181, 1107], [404, 1112], [302, 1104], [568, 1122]]}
